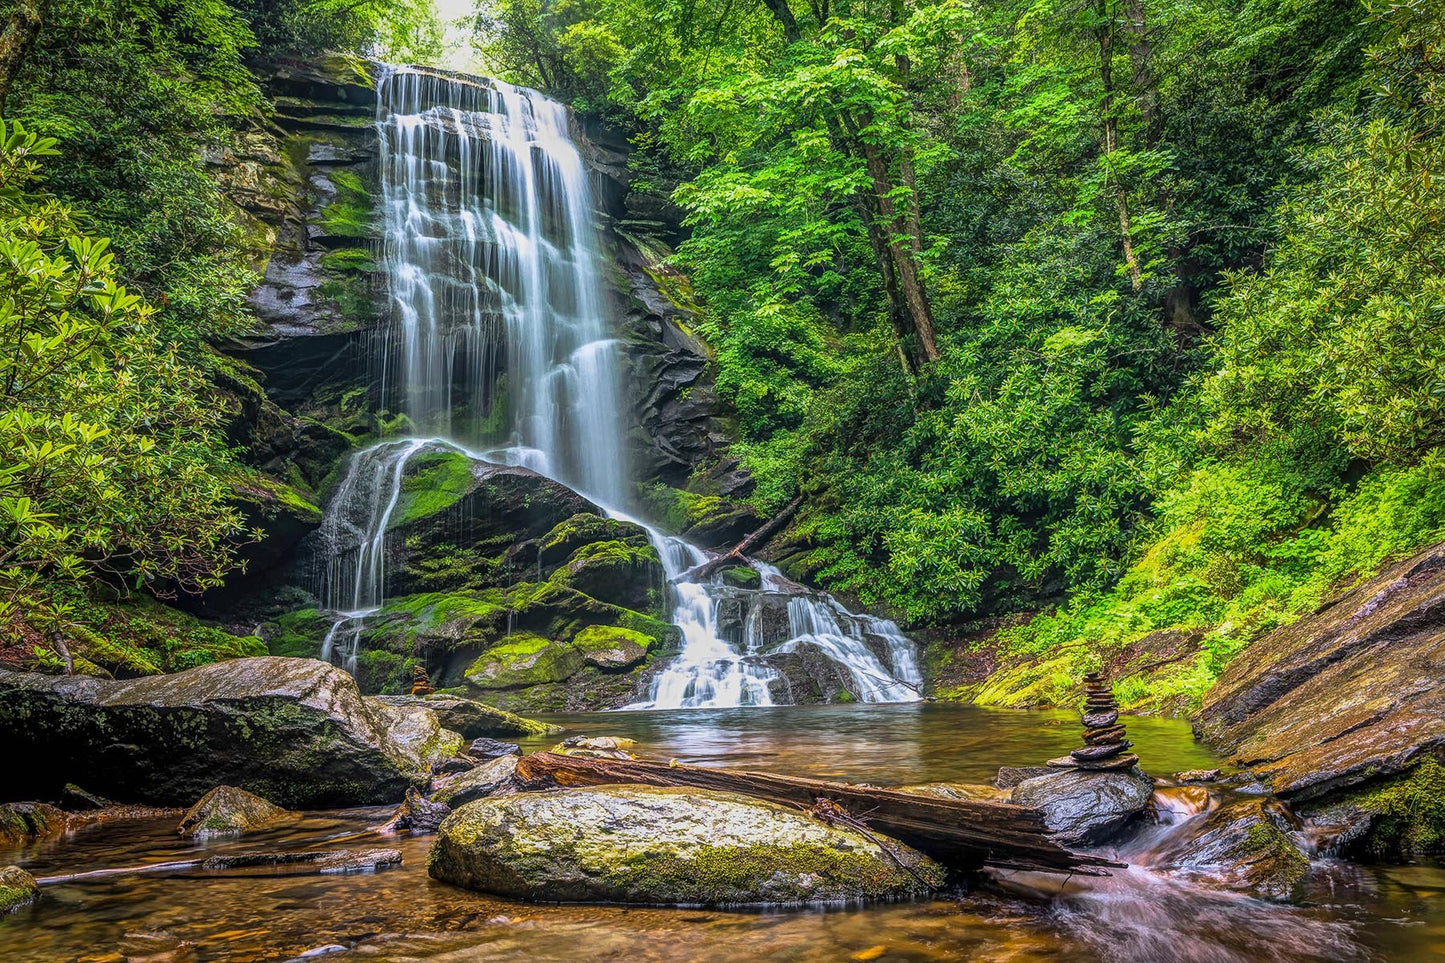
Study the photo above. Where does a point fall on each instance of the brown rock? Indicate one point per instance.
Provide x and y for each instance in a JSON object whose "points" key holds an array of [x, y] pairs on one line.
{"points": [[1128, 761], [1101, 720], [1349, 693], [1095, 753], [1097, 737]]}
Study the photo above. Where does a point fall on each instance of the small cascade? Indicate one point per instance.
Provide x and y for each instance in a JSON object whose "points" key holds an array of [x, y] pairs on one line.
{"points": [[709, 672], [712, 672], [353, 533]]}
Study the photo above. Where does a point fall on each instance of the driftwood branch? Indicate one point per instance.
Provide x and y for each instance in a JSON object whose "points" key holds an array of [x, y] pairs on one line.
{"points": [[962, 834], [737, 555]]}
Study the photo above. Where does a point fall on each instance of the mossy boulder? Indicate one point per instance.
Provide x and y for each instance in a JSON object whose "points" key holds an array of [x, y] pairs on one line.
{"points": [[567, 536], [622, 573], [612, 648], [296, 731], [1245, 846], [742, 576], [17, 888], [461, 523], [1400, 817], [21, 821], [652, 846], [228, 811], [524, 660]]}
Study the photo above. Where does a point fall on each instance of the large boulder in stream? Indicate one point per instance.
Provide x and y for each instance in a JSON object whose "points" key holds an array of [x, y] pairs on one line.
{"points": [[1080, 806], [296, 731], [635, 844]]}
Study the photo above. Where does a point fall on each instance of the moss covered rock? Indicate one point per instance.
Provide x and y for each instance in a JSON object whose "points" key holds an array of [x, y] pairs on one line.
{"points": [[1399, 817], [524, 660], [17, 888], [228, 811], [633, 844], [30, 820], [296, 731], [742, 576], [1245, 846], [620, 572], [611, 647]]}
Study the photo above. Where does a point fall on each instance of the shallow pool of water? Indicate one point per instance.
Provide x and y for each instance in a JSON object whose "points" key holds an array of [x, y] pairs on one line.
{"points": [[1355, 913]]}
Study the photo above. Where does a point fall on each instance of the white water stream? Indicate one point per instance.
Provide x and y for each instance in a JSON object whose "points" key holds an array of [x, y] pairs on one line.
{"points": [[493, 266]]}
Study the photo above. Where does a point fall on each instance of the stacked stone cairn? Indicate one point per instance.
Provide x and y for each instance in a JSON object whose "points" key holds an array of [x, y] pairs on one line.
{"points": [[1104, 743]]}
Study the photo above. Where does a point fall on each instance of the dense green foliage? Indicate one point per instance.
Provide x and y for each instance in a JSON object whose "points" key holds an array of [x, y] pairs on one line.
{"points": [[1183, 260], [116, 275]]}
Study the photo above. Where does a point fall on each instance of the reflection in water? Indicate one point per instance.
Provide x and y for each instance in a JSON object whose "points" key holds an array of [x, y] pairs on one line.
{"points": [[401, 915]]}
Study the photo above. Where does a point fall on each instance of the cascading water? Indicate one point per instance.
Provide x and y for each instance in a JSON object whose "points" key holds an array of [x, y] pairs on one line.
{"points": [[493, 272]]}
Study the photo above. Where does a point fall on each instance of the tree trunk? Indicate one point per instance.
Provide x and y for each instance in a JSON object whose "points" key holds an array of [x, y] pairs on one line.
{"points": [[15, 43], [784, 15], [739, 551], [901, 244], [1111, 141]]}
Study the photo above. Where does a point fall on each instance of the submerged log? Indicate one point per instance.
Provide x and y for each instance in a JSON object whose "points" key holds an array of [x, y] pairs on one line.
{"points": [[962, 834]]}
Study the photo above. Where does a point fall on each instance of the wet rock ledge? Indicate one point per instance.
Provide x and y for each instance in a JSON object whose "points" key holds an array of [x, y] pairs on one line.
{"points": [[297, 732]]}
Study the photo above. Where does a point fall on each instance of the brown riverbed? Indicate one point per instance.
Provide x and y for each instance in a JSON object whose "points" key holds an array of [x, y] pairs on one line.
{"points": [[1354, 913]]}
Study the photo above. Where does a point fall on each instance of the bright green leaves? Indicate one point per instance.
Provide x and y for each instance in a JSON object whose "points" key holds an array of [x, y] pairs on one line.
{"points": [[107, 462]]}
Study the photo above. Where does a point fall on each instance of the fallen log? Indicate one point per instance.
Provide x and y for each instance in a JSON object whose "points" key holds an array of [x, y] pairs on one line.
{"points": [[961, 834], [737, 555]]}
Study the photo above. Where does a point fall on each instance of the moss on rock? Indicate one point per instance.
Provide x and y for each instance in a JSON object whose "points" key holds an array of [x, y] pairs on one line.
{"points": [[612, 647], [17, 888], [633, 844], [524, 660]]}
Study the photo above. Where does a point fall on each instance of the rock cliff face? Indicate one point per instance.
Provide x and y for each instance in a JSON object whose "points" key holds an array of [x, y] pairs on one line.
{"points": [[1348, 702]]}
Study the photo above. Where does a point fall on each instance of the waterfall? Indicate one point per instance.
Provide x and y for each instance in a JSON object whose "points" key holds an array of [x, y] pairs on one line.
{"points": [[502, 350]]}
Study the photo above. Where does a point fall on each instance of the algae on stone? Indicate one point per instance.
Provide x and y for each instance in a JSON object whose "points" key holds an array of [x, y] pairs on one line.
{"points": [[635, 844]]}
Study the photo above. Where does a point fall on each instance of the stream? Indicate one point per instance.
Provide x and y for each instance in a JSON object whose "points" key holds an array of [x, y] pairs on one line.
{"points": [[1354, 913]]}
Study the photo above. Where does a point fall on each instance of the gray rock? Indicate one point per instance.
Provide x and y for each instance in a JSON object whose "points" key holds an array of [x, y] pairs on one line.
{"points": [[477, 783], [296, 731], [634, 844], [17, 888], [1246, 846], [1086, 807], [492, 749], [474, 719], [1010, 776], [227, 811]]}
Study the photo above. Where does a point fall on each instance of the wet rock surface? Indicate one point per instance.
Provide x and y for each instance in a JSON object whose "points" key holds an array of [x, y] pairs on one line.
{"points": [[228, 811], [17, 888], [479, 782], [472, 719], [295, 731], [1245, 845], [1350, 693], [664, 847], [1081, 806]]}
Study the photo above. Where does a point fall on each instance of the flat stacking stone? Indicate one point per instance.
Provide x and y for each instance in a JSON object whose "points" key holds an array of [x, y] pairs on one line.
{"points": [[1128, 761], [1099, 737], [1101, 720], [1063, 762], [1094, 753]]}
